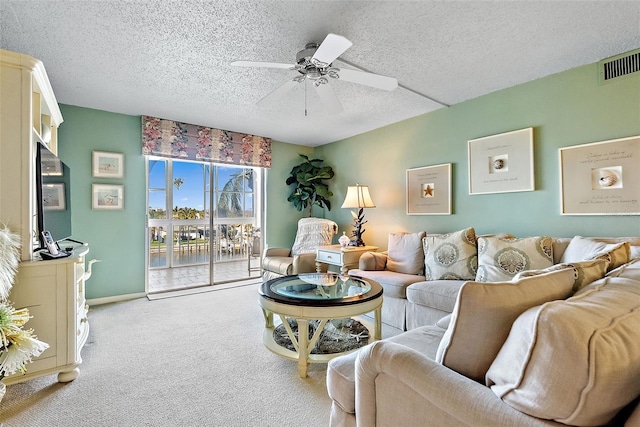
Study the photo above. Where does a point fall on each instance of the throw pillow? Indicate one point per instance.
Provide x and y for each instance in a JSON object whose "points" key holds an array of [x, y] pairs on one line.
{"points": [[586, 272], [483, 315], [582, 248], [452, 256], [405, 254], [500, 258], [574, 361]]}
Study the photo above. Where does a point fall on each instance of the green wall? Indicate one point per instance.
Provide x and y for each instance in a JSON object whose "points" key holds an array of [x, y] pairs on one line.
{"points": [[565, 109], [115, 237], [118, 237]]}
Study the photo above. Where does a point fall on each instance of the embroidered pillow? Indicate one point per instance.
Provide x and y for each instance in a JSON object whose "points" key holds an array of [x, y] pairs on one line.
{"points": [[502, 258], [405, 254], [452, 256]]}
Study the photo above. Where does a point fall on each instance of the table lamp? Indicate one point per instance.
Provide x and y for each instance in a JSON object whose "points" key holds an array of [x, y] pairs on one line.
{"points": [[358, 197]]}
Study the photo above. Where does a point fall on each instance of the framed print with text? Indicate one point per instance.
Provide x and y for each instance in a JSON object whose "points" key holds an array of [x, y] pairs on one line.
{"points": [[429, 190], [601, 178], [501, 163]]}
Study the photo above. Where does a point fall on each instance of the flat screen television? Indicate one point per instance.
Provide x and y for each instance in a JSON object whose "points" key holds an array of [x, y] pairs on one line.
{"points": [[53, 190]]}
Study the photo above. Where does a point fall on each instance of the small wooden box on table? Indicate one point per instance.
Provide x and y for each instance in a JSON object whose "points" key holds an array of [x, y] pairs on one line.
{"points": [[345, 258]]}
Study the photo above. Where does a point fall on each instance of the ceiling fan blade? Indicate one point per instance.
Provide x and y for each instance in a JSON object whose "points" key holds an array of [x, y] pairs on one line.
{"points": [[261, 64], [273, 96], [328, 97], [368, 79], [332, 47]]}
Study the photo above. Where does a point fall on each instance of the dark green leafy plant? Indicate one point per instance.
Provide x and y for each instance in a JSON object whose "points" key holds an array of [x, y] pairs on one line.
{"points": [[309, 188]]}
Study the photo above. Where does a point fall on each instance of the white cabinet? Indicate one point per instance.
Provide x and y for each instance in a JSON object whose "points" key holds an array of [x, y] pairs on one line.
{"points": [[53, 291], [29, 113]]}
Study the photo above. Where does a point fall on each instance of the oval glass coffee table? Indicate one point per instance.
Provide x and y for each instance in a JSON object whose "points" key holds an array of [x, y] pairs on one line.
{"points": [[316, 296]]}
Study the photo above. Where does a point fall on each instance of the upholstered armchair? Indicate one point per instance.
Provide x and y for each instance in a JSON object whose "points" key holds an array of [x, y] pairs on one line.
{"points": [[301, 258]]}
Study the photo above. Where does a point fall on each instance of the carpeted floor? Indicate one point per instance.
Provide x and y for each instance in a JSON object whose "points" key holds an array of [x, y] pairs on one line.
{"points": [[194, 360]]}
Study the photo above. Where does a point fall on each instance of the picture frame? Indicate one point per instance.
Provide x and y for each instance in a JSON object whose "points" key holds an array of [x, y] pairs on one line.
{"points": [[53, 198], [108, 165], [600, 178], [429, 190], [107, 197], [502, 163]]}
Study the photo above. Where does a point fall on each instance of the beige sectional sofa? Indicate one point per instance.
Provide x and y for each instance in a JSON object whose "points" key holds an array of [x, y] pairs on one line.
{"points": [[419, 293], [553, 345]]}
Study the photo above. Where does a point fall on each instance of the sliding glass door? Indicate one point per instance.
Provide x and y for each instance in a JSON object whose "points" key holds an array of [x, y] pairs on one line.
{"points": [[204, 223]]}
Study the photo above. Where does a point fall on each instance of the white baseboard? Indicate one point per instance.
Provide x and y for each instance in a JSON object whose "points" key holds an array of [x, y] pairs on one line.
{"points": [[116, 298]]}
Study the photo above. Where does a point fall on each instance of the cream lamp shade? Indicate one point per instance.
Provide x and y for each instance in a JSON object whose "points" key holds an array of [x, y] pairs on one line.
{"points": [[358, 197]]}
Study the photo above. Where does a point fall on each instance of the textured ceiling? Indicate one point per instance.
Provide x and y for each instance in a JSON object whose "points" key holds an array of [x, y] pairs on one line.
{"points": [[171, 59]]}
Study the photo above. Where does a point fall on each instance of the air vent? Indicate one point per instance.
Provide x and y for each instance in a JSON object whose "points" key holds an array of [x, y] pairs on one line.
{"points": [[619, 66]]}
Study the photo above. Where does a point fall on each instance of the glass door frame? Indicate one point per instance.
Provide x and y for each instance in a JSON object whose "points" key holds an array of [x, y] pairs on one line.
{"points": [[174, 227]]}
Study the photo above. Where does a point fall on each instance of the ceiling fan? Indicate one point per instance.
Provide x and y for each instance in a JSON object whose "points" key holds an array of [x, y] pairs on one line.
{"points": [[315, 63]]}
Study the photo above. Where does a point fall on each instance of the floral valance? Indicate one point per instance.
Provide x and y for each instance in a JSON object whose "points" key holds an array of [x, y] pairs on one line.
{"points": [[168, 138]]}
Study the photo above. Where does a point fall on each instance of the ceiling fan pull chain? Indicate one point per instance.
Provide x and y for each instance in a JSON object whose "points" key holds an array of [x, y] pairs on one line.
{"points": [[305, 97]]}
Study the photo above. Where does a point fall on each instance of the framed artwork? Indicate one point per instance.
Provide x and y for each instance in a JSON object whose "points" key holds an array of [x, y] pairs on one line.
{"points": [[108, 165], [601, 178], [501, 163], [429, 190], [53, 197], [107, 197]]}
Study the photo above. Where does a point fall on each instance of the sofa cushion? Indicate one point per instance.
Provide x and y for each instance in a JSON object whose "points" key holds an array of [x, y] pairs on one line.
{"points": [[584, 380], [452, 256], [405, 254], [586, 271], [502, 258], [424, 339], [394, 285], [583, 248], [438, 294], [483, 315]]}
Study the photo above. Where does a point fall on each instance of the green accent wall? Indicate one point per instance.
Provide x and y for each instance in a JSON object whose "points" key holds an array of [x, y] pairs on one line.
{"points": [[115, 237], [565, 109]]}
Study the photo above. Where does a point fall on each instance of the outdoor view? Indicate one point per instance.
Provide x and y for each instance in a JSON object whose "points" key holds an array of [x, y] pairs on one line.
{"points": [[199, 212]]}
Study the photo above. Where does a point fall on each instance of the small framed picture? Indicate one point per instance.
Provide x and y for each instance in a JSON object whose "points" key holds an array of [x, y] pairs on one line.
{"points": [[53, 197], [429, 190], [108, 165], [107, 197]]}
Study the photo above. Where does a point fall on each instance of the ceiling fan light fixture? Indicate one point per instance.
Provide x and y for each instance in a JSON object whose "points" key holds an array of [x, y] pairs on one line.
{"points": [[321, 81]]}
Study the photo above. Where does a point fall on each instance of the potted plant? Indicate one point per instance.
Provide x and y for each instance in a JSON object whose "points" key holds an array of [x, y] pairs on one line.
{"points": [[309, 187]]}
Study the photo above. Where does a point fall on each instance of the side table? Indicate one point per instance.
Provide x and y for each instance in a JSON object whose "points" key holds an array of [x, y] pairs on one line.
{"points": [[341, 257]]}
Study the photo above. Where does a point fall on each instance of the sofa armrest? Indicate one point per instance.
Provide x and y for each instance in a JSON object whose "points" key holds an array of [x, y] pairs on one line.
{"points": [[277, 252], [391, 377], [304, 263], [373, 261]]}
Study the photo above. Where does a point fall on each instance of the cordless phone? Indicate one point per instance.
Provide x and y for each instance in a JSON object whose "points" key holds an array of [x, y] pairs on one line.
{"points": [[51, 245]]}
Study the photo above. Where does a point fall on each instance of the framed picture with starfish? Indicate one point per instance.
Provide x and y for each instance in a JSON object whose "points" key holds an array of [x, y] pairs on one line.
{"points": [[429, 190]]}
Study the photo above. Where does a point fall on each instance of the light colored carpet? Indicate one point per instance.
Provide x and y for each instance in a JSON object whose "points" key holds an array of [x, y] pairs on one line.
{"points": [[194, 360]]}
